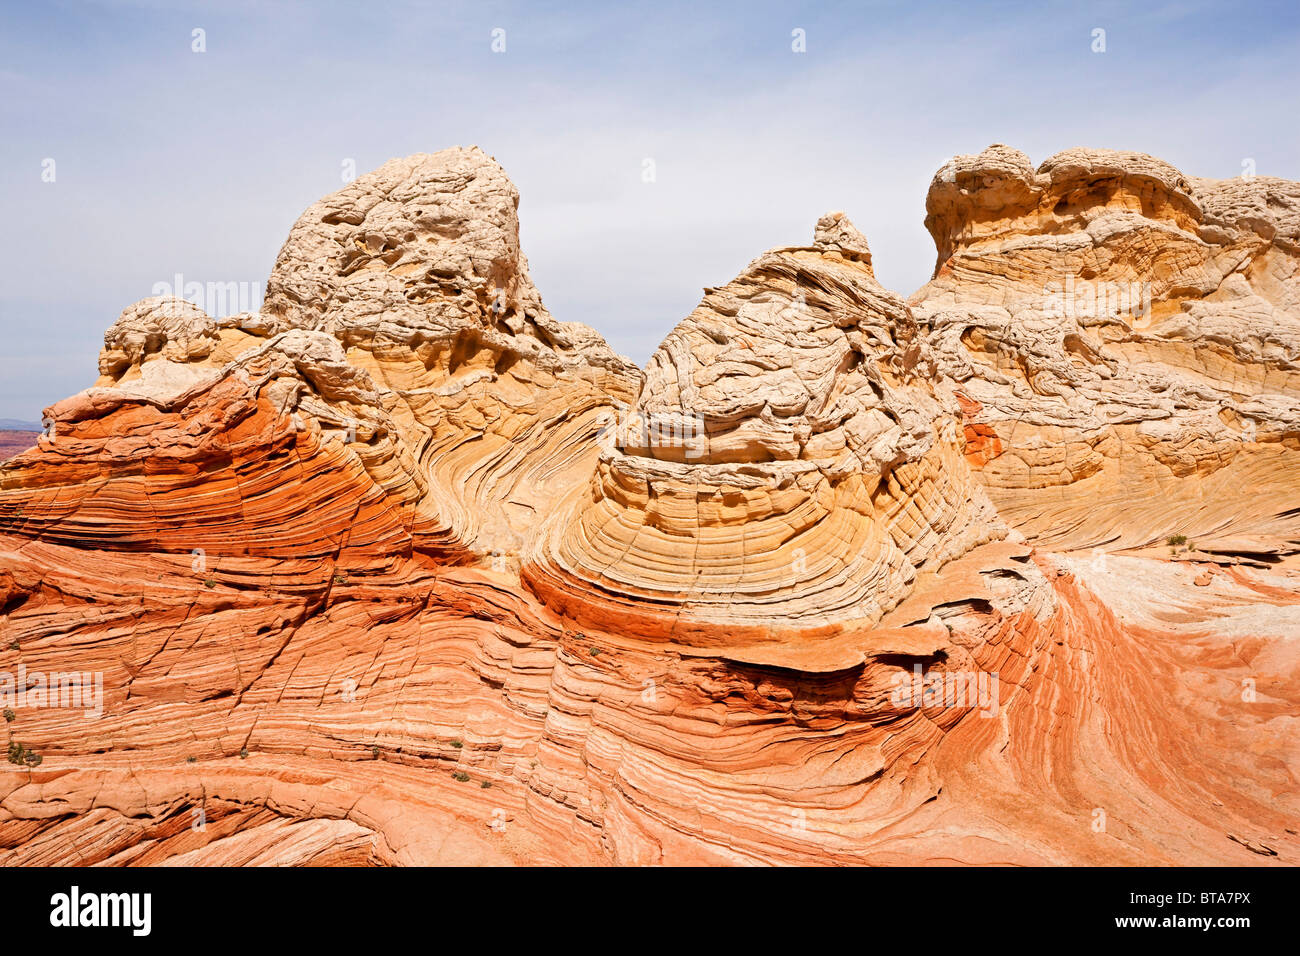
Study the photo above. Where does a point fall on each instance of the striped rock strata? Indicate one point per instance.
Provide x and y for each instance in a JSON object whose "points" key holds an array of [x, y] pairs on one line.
{"points": [[787, 467], [1125, 342], [400, 570]]}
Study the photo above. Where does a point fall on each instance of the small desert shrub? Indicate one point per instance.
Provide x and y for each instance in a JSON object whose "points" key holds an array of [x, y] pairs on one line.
{"points": [[20, 755], [460, 775]]}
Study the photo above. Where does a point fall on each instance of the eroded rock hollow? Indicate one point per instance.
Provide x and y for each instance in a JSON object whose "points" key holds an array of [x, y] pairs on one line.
{"points": [[401, 569]]}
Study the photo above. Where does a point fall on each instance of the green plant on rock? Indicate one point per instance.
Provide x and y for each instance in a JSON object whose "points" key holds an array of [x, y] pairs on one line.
{"points": [[461, 776], [18, 754]]}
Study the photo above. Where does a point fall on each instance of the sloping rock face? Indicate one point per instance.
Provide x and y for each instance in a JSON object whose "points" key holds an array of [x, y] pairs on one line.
{"points": [[787, 467], [402, 570], [1126, 344]]}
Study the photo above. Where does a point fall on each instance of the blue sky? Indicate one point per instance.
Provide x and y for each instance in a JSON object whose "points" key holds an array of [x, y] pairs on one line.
{"points": [[170, 161]]}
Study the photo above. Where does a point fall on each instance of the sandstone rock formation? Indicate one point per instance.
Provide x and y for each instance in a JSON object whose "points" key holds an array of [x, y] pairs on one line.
{"points": [[1126, 344], [402, 570], [787, 467]]}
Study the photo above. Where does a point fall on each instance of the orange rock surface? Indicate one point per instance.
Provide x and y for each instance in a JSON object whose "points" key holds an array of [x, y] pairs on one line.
{"points": [[402, 570]]}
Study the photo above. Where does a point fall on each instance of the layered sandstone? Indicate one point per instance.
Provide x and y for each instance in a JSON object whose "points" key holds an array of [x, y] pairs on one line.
{"points": [[787, 467], [402, 570], [1126, 344]]}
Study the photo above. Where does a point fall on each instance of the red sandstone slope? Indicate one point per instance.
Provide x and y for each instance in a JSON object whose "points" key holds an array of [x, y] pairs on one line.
{"points": [[384, 575]]}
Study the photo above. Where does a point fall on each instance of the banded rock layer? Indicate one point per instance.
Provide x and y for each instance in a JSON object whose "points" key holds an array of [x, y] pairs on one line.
{"points": [[787, 467], [402, 570], [1126, 344]]}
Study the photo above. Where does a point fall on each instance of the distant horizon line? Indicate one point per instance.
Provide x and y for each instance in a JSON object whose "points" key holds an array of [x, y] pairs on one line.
{"points": [[19, 425]]}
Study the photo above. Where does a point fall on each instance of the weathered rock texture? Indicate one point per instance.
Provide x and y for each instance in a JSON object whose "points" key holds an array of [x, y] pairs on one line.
{"points": [[402, 570], [1125, 342], [787, 468]]}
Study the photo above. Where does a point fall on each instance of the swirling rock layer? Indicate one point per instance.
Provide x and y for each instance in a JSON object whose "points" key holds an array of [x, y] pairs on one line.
{"points": [[1126, 345], [401, 570], [787, 468]]}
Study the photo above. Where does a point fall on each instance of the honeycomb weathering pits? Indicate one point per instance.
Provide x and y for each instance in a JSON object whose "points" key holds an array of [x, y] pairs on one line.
{"points": [[380, 573]]}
